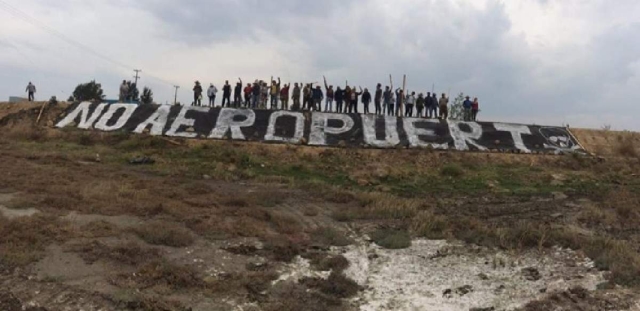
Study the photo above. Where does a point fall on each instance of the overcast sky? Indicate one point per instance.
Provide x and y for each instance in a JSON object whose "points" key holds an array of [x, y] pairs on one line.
{"points": [[536, 61]]}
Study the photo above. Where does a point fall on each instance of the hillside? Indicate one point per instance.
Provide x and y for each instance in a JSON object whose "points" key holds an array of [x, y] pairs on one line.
{"points": [[116, 221]]}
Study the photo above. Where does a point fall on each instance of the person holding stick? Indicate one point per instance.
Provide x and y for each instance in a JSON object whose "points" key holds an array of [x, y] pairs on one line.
{"points": [[237, 94], [328, 107], [399, 102]]}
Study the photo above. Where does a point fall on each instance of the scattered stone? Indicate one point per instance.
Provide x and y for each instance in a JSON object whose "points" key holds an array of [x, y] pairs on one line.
{"points": [[483, 276], [448, 293], [556, 215], [98, 158], [206, 177], [531, 274], [464, 290], [499, 289], [142, 160], [190, 129], [559, 196]]}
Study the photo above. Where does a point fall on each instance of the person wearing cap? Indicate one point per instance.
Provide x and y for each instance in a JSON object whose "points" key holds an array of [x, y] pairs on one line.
{"points": [[211, 93], [466, 105], [197, 94]]}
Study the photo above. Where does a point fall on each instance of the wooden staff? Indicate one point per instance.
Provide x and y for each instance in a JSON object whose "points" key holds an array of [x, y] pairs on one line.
{"points": [[41, 110], [404, 94]]}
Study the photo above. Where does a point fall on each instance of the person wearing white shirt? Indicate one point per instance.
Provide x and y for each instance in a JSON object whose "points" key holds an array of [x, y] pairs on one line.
{"points": [[211, 92]]}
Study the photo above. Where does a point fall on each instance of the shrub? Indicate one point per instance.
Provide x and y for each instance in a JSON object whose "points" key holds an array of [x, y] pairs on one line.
{"points": [[392, 239]]}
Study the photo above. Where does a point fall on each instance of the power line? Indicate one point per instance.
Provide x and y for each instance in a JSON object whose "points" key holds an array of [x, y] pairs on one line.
{"points": [[34, 22]]}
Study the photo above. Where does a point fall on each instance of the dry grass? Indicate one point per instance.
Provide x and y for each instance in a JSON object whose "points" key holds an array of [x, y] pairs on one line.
{"points": [[129, 253], [164, 233], [23, 240]]}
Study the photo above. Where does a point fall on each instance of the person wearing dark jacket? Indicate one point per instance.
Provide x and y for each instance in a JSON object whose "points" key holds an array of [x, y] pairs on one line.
{"points": [[226, 94], [387, 96], [420, 104], [399, 102], [339, 97], [347, 99], [256, 92], [433, 105], [296, 97], [317, 98], [378, 99], [237, 94], [366, 99], [197, 94]]}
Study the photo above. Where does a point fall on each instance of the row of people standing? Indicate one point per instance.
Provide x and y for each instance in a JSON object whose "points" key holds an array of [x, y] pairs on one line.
{"points": [[310, 96]]}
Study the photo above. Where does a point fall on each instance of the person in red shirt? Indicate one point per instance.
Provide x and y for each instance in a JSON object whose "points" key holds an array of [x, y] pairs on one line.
{"points": [[247, 95], [284, 96], [475, 107]]}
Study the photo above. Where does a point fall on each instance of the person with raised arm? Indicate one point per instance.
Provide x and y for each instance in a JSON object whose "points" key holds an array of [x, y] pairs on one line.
{"points": [[274, 92], [330, 95], [247, 95], [256, 93], [237, 94], [353, 107]]}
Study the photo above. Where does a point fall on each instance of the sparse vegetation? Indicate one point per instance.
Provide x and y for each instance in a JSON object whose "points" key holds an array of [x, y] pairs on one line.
{"points": [[391, 239], [164, 233]]}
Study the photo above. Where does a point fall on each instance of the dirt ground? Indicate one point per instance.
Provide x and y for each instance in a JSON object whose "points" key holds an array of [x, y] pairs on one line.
{"points": [[232, 226]]}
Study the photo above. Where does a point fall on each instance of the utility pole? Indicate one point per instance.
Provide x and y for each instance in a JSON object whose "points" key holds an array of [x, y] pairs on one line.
{"points": [[175, 98], [137, 76]]}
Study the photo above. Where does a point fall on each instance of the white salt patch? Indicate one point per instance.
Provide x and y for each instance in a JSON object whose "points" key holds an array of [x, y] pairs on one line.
{"points": [[416, 278], [298, 269]]}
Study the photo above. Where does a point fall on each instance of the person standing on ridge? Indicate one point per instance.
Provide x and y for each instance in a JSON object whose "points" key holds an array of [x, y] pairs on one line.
{"points": [[226, 94], [366, 99], [306, 97], [197, 94], [347, 99], [265, 95], [427, 105], [466, 105], [328, 106], [475, 107], [237, 94], [317, 98], [434, 105], [399, 101], [274, 92], [378, 99], [295, 96], [353, 107], [411, 99], [387, 96], [444, 107], [420, 104], [247, 95], [124, 91], [284, 96], [255, 93], [211, 93], [339, 96], [31, 91]]}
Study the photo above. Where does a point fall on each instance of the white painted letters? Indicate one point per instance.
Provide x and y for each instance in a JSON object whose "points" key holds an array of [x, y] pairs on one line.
{"points": [[516, 131], [299, 127], [414, 133], [226, 123], [181, 120], [320, 127], [129, 109], [86, 121], [391, 138], [158, 120], [461, 138]]}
